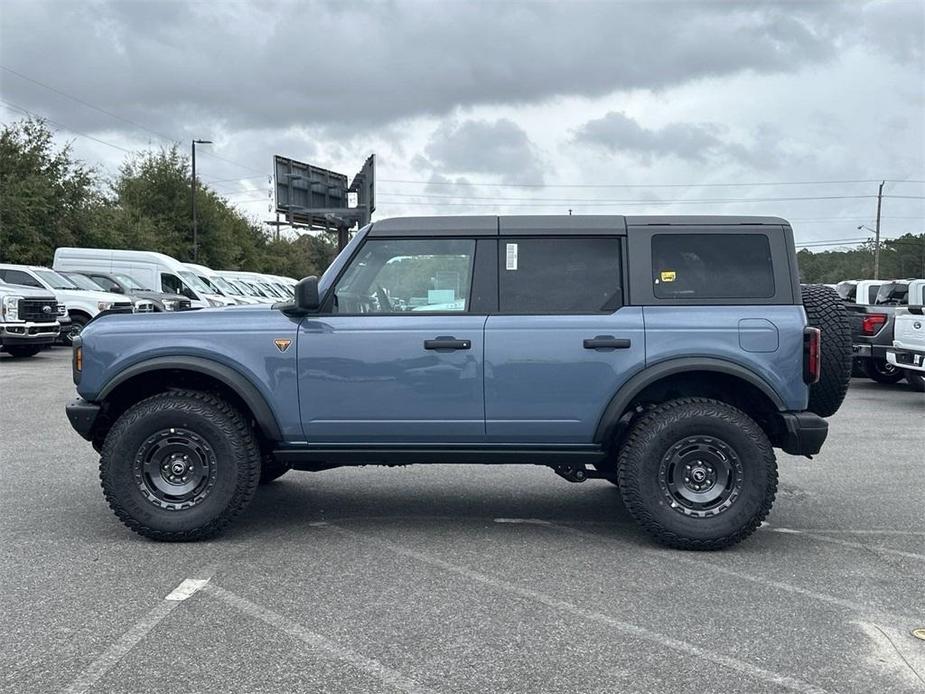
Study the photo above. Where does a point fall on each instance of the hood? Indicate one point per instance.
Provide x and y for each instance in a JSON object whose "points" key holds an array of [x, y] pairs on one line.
{"points": [[26, 292]]}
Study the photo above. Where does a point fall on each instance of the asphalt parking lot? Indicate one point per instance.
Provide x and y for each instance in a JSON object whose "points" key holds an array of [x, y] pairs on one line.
{"points": [[461, 578]]}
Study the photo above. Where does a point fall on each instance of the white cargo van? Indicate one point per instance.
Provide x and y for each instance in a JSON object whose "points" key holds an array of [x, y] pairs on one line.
{"points": [[154, 270]]}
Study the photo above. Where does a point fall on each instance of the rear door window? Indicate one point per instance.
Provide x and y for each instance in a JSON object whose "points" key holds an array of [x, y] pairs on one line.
{"points": [[712, 266], [560, 275]]}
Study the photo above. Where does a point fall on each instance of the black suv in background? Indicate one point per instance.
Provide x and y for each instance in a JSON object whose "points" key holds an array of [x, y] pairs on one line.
{"points": [[123, 284]]}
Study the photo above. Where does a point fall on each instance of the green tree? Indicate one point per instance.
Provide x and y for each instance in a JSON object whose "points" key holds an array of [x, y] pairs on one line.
{"points": [[47, 199]]}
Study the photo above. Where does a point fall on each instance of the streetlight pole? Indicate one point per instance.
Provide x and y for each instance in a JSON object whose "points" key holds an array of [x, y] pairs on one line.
{"points": [[877, 239], [195, 227]]}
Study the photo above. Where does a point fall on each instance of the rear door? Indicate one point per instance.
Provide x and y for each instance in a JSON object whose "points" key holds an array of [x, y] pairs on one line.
{"points": [[562, 342]]}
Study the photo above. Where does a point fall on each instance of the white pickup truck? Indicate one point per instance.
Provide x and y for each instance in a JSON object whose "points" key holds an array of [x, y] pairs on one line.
{"points": [[908, 351]]}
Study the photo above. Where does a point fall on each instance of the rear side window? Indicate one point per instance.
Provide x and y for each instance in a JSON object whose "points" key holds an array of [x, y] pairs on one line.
{"points": [[560, 275], [712, 266]]}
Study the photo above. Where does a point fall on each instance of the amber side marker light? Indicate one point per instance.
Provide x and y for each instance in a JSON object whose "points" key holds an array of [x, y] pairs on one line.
{"points": [[79, 358]]}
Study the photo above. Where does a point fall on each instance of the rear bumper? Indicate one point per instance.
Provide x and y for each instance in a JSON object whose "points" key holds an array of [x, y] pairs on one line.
{"points": [[802, 433], [83, 416], [912, 359], [863, 351]]}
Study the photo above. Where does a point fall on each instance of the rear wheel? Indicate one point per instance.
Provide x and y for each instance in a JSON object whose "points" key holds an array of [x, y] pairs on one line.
{"points": [[697, 474], [916, 380], [883, 371], [826, 311], [20, 351], [179, 466]]}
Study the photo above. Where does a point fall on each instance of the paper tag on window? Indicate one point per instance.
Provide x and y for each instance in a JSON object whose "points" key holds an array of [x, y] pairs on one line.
{"points": [[510, 259], [668, 275]]}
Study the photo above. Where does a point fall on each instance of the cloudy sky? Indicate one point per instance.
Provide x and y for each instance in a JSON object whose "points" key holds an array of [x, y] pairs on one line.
{"points": [[786, 108]]}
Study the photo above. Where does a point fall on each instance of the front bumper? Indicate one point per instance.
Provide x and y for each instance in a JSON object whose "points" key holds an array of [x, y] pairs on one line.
{"points": [[28, 333], [911, 359], [802, 433], [83, 416]]}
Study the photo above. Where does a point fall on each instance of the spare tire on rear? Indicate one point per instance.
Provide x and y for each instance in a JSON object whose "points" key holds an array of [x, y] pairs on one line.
{"points": [[825, 310]]}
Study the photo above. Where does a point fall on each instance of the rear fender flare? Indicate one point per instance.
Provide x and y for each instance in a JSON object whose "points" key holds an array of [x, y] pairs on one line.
{"points": [[635, 385]]}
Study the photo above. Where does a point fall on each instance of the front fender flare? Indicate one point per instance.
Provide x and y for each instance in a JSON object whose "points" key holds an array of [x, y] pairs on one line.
{"points": [[635, 385], [231, 377]]}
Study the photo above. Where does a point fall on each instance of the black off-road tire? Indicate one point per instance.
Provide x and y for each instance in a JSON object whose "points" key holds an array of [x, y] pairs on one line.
{"points": [[826, 311], [215, 426], [882, 371], [916, 380], [659, 436], [21, 351], [271, 469], [76, 327]]}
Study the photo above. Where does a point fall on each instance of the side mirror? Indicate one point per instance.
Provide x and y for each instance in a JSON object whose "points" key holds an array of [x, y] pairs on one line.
{"points": [[117, 289], [306, 295]]}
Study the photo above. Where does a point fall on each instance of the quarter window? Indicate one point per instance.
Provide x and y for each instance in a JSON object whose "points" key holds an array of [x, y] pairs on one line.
{"points": [[560, 275], [407, 276], [712, 266]]}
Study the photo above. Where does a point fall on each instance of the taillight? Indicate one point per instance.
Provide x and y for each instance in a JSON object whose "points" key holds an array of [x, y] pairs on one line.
{"points": [[812, 355], [872, 323]]}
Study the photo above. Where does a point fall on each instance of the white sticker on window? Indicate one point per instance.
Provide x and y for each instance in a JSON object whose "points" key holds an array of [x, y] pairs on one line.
{"points": [[510, 261]]}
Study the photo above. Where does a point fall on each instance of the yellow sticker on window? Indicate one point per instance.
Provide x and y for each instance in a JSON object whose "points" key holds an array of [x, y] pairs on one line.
{"points": [[668, 275]]}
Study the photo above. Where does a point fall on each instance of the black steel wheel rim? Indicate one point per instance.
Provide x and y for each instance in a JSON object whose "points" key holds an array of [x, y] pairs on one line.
{"points": [[700, 476], [175, 468]]}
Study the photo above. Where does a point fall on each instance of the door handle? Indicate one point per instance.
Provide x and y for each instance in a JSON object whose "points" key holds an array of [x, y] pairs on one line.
{"points": [[607, 342], [443, 342]]}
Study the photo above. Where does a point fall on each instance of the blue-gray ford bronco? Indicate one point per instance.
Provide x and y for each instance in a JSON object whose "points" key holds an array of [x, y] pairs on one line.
{"points": [[667, 355]]}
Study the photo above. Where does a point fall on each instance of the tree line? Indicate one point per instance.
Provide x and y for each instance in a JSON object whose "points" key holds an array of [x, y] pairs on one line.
{"points": [[900, 258], [49, 199]]}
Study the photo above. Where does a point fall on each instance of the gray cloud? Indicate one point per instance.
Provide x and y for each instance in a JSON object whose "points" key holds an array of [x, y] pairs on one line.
{"points": [[255, 65], [617, 133], [499, 148]]}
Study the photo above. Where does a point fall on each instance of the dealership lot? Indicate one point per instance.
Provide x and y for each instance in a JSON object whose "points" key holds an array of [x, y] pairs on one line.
{"points": [[461, 578]]}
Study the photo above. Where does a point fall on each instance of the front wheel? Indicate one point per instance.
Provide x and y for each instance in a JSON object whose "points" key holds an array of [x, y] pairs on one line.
{"points": [[883, 371], [697, 474], [179, 466], [74, 329]]}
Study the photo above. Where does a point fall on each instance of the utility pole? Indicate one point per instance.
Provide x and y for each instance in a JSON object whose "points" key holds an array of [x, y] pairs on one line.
{"points": [[877, 234], [195, 228]]}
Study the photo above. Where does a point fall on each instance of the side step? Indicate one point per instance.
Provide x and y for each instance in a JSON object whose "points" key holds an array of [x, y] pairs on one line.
{"points": [[385, 454]]}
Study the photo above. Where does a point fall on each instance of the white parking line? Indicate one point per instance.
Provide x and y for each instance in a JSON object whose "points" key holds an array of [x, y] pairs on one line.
{"points": [[333, 650], [860, 609], [846, 543], [112, 655], [790, 683]]}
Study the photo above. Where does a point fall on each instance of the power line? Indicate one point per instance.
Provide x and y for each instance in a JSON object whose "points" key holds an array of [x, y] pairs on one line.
{"points": [[22, 109], [614, 202], [167, 138], [645, 185]]}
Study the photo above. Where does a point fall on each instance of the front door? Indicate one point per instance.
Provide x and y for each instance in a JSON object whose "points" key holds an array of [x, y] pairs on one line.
{"points": [[398, 357]]}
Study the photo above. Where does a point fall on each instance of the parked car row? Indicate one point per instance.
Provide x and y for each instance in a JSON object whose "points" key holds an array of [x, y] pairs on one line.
{"points": [[880, 352], [85, 282]]}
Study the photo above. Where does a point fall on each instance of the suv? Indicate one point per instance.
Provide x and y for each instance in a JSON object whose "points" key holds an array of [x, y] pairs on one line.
{"points": [[82, 305], [28, 320], [667, 355]]}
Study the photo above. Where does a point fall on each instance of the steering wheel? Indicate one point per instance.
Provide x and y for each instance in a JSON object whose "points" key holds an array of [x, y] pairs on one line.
{"points": [[385, 306]]}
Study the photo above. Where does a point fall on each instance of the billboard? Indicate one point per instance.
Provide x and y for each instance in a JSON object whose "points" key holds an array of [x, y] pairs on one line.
{"points": [[364, 185], [305, 193]]}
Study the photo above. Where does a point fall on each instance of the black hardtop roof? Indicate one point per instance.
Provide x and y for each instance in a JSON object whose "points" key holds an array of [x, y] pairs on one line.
{"points": [[513, 225]]}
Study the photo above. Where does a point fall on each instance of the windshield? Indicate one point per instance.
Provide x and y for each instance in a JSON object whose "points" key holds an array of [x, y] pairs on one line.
{"points": [[847, 290], [270, 290], [192, 279], [255, 290], [129, 283], [226, 287], [54, 280], [84, 282], [892, 293]]}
